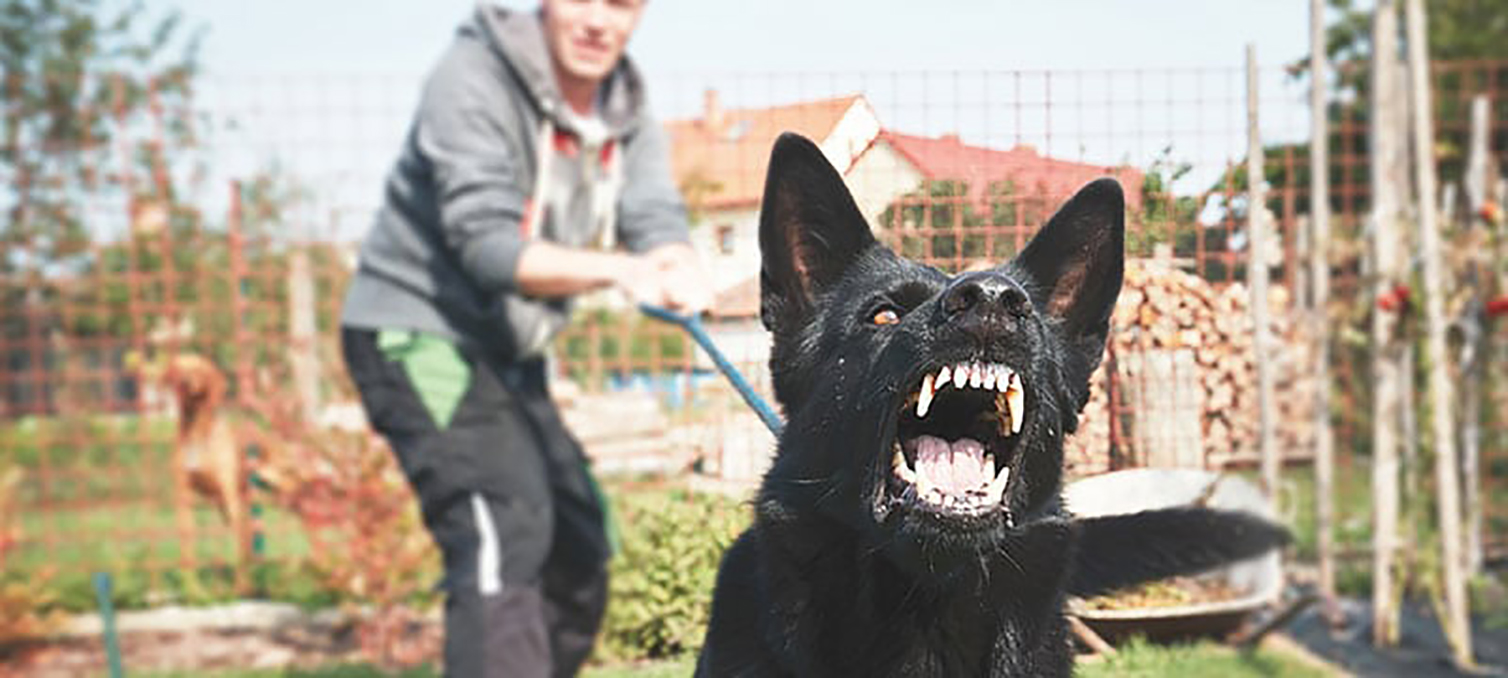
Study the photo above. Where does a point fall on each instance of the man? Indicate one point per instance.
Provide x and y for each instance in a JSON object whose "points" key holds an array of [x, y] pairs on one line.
{"points": [[530, 160]]}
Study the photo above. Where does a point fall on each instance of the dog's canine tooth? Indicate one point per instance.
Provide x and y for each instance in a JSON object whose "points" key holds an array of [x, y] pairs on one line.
{"points": [[923, 483], [960, 375], [976, 375], [944, 375], [996, 489], [1015, 399], [924, 399], [900, 468]]}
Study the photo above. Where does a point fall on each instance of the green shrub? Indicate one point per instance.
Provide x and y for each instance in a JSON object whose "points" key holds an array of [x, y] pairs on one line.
{"points": [[662, 577]]}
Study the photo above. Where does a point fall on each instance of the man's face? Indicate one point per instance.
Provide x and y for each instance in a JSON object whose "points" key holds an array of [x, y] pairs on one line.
{"points": [[587, 37]]}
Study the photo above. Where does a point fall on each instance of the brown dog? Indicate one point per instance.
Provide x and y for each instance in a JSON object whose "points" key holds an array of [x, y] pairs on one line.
{"points": [[207, 457]]}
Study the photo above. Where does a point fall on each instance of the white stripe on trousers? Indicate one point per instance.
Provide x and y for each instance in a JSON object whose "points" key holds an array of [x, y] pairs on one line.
{"points": [[489, 565]]}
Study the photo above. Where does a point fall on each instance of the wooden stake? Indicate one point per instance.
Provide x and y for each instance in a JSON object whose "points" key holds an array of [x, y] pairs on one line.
{"points": [[1456, 623], [1090, 639], [1387, 133], [1474, 348], [1257, 274], [1319, 277]]}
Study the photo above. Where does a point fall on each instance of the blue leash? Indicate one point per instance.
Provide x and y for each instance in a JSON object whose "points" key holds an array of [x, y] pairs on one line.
{"points": [[693, 325]]}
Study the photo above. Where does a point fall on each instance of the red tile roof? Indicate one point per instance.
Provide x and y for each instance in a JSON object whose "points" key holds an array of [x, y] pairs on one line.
{"points": [[948, 158], [731, 149]]}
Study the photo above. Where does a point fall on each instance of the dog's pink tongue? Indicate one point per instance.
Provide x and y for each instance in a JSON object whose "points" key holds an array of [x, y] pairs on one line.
{"points": [[954, 468]]}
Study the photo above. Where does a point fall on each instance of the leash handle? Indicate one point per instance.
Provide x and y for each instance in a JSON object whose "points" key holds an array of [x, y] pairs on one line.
{"points": [[693, 326]]}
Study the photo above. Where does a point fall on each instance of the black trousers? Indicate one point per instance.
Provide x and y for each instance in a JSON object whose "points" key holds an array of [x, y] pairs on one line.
{"points": [[506, 493]]}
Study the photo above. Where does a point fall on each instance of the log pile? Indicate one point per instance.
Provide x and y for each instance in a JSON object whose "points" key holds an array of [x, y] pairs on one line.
{"points": [[1181, 348]]}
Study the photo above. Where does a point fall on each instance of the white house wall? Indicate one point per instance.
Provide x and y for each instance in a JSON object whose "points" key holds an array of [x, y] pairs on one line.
{"points": [[728, 270]]}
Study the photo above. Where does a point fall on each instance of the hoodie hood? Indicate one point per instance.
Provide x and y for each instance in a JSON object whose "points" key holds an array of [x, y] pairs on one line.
{"points": [[518, 38]]}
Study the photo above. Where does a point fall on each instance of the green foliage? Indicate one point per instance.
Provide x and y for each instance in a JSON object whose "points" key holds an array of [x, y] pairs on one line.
{"points": [[613, 339], [662, 579], [941, 222], [1458, 30]]}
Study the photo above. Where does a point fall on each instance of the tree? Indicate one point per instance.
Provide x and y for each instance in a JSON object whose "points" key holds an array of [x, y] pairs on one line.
{"points": [[81, 78], [1458, 31]]}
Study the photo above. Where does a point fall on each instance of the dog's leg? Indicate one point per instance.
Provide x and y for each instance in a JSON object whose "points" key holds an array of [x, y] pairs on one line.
{"points": [[183, 501], [734, 644]]}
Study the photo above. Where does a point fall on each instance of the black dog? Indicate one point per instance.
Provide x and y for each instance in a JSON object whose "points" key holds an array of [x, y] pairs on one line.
{"points": [[911, 523]]}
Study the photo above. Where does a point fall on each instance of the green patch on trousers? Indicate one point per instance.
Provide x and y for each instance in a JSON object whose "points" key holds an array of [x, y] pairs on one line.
{"points": [[434, 366]]}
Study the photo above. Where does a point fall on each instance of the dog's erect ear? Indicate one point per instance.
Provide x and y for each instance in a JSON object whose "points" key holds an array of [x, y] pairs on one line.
{"points": [[810, 230], [1076, 262]]}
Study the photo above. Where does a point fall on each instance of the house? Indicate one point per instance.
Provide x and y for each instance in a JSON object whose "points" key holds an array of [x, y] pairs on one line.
{"points": [[719, 162], [896, 164]]}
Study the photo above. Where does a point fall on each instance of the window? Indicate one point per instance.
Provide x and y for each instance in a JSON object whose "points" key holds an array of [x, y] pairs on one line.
{"points": [[725, 239]]}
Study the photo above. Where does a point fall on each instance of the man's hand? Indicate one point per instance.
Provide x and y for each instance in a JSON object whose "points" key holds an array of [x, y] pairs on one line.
{"points": [[671, 276], [688, 287]]}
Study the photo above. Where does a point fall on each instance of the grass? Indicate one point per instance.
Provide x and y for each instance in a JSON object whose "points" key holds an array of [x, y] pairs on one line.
{"points": [[138, 543], [1137, 658], [673, 668]]}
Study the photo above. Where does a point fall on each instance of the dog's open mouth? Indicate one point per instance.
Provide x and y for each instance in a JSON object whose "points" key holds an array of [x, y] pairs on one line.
{"points": [[956, 439]]}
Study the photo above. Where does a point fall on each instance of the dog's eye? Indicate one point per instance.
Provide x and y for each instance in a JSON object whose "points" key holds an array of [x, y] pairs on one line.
{"points": [[885, 316]]}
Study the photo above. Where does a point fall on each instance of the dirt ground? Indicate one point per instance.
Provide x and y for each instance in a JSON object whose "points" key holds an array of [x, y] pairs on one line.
{"points": [[207, 650]]}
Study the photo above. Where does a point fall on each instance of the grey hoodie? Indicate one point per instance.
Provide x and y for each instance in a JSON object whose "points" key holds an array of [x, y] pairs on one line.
{"points": [[466, 194]]}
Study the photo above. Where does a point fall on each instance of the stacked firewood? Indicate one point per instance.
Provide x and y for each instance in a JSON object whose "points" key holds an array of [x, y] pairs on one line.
{"points": [[1182, 348]]}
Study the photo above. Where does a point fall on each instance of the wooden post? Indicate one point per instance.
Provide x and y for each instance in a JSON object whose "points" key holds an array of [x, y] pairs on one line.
{"points": [[303, 356], [1455, 622], [1474, 347], [1256, 275], [1386, 143], [1319, 278]]}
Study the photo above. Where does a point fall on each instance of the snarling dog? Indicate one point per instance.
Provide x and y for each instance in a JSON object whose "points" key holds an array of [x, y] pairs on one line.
{"points": [[911, 524]]}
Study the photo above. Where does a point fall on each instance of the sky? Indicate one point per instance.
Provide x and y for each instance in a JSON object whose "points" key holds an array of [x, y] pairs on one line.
{"points": [[323, 88], [681, 36]]}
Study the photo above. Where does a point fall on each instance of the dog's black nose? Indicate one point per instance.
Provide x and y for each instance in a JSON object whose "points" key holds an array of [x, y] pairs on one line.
{"points": [[984, 296]]}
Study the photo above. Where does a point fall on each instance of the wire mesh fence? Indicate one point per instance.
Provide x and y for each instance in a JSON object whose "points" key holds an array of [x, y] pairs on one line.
{"points": [[171, 391]]}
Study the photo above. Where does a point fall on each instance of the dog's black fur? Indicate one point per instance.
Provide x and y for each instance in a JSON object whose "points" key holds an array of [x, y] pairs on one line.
{"points": [[845, 574]]}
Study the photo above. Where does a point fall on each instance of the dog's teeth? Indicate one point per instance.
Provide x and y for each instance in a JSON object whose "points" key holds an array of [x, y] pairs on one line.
{"points": [[1015, 400], [924, 400], [976, 375], [1003, 380], [899, 467], [943, 377], [989, 377], [996, 489], [960, 375], [923, 483]]}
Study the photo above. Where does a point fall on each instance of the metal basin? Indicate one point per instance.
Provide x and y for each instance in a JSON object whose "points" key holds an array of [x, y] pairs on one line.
{"points": [[1259, 579]]}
